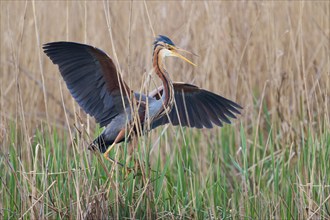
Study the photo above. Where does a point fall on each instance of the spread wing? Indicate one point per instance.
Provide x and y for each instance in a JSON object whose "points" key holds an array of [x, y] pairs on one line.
{"points": [[196, 107], [91, 77]]}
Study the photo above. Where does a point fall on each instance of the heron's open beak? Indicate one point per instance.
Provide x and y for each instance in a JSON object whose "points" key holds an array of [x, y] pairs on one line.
{"points": [[176, 54]]}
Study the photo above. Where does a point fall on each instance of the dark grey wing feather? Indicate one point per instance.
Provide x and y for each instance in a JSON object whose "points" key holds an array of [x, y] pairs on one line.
{"points": [[197, 107], [91, 77]]}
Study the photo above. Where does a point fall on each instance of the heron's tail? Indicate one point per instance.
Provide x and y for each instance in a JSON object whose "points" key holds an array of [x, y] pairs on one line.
{"points": [[100, 143]]}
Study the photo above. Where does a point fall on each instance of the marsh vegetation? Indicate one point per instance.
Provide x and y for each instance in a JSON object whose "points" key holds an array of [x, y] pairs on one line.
{"points": [[272, 162]]}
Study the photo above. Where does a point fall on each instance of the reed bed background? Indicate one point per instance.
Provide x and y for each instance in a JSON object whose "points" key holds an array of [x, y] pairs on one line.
{"points": [[272, 162]]}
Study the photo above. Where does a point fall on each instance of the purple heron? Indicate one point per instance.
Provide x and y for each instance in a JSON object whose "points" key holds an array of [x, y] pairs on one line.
{"points": [[95, 83]]}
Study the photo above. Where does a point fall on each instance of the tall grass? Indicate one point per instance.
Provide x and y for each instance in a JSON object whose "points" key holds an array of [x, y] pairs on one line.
{"points": [[272, 162]]}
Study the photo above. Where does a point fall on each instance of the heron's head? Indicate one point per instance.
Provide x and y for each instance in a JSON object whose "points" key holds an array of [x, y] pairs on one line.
{"points": [[168, 49]]}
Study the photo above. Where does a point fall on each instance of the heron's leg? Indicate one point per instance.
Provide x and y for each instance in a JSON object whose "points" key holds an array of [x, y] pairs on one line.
{"points": [[106, 154], [119, 137]]}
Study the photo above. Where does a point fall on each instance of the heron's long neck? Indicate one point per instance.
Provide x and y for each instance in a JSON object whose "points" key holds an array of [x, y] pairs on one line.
{"points": [[168, 92]]}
